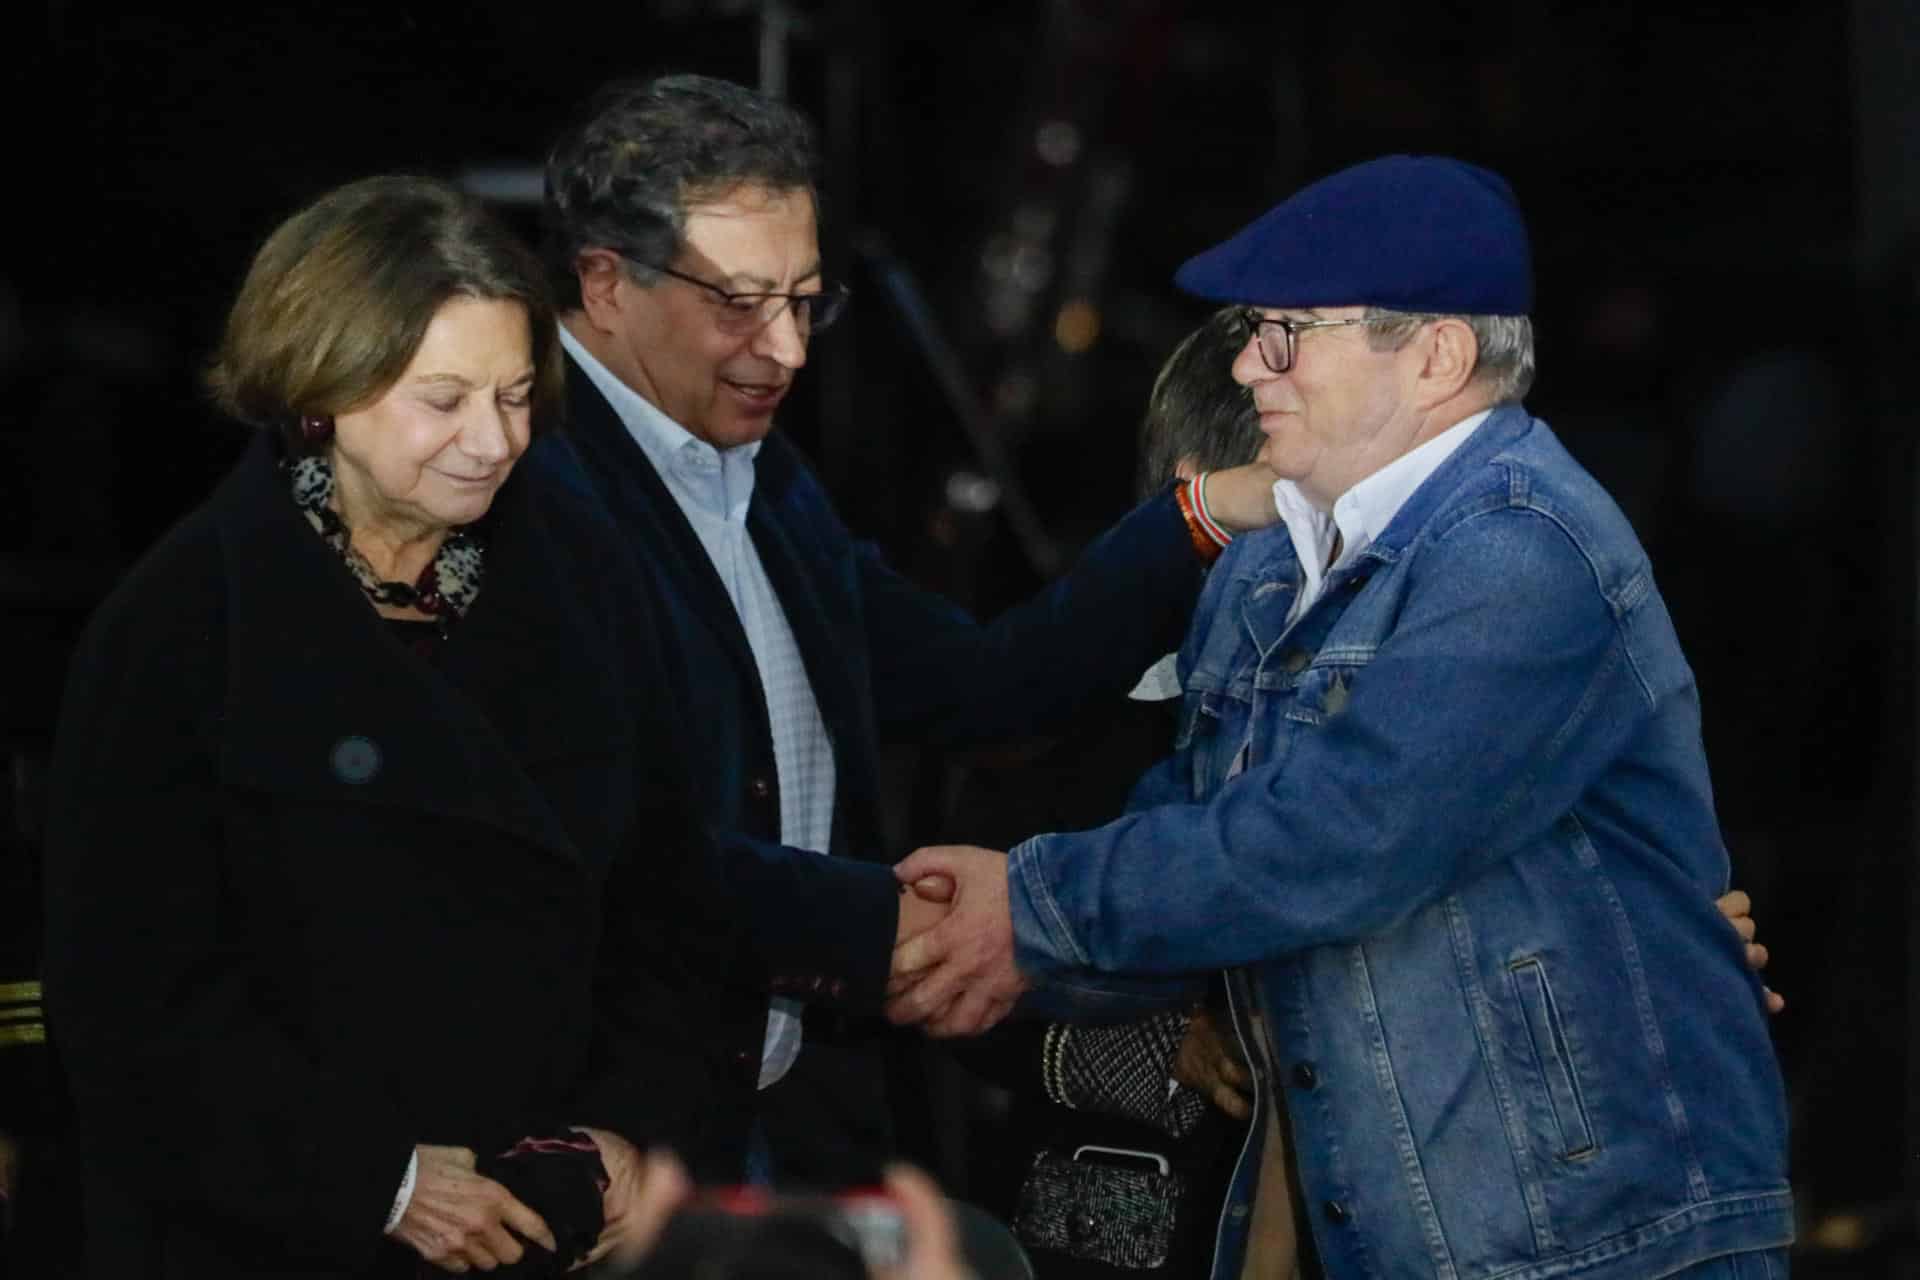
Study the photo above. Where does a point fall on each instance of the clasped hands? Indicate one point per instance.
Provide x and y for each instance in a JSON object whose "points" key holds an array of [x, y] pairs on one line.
{"points": [[954, 972], [460, 1220], [953, 969]]}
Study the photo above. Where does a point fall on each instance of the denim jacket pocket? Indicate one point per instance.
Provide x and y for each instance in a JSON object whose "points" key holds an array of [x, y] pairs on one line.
{"points": [[1557, 1077]]}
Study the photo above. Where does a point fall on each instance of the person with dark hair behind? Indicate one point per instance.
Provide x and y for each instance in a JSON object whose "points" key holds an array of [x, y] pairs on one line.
{"points": [[363, 866], [1198, 418]]}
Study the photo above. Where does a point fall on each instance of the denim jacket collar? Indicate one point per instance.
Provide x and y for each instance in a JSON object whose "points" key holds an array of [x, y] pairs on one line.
{"points": [[1263, 569]]}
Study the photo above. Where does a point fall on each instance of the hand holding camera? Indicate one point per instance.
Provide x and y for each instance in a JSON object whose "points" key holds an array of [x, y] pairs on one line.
{"points": [[904, 1230]]}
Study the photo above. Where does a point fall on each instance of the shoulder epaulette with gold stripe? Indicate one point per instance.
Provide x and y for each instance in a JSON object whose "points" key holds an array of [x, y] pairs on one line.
{"points": [[21, 1019]]}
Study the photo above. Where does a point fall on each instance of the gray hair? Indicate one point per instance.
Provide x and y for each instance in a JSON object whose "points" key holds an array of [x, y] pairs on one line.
{"points": [[1505, 364], [623, 178]]}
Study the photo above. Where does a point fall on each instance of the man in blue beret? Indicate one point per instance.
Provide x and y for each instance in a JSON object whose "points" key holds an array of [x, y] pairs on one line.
{"points": [[1439, 807]]}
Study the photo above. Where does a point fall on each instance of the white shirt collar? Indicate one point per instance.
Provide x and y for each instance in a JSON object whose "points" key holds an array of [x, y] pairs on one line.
{"points": [[1363, 512], [675, 452]]}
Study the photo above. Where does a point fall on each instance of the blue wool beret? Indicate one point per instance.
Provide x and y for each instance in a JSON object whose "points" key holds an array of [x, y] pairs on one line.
{"points": [[1411, 233]]}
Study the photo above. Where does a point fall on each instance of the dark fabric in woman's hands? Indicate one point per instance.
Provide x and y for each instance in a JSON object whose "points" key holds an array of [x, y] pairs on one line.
{"points": [[561, 1179]]}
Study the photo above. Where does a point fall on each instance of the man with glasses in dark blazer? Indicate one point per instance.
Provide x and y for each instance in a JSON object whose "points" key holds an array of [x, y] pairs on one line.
{"points": [[681, 235]]}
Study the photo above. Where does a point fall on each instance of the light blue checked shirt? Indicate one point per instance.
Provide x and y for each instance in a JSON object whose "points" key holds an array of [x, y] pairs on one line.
{"points": [[713, 488]]}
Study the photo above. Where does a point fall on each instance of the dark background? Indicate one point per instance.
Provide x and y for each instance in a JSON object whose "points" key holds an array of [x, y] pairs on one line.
{"points": [[1723, 200]]}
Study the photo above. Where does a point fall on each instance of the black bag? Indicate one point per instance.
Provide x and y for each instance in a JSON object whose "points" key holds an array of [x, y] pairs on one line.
{"points": [[1102, 1204]]}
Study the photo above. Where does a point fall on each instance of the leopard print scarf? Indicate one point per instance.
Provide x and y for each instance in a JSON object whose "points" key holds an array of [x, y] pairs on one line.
{"points": [[445, 589]]}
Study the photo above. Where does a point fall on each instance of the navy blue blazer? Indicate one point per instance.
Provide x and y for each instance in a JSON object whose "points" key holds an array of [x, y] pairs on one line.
{"points": [[889, 661]]}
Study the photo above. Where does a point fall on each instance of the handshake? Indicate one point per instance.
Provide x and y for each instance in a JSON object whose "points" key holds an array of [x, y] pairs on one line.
{"points": [[953, 966], [954, 971]]}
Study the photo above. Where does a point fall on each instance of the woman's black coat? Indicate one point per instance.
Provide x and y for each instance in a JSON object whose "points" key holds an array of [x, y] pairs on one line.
{"points": [[313, 899]]}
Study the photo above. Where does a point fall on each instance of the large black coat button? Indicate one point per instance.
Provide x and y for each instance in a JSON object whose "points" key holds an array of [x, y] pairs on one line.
{"points": [[760, 788], [355, 759]]}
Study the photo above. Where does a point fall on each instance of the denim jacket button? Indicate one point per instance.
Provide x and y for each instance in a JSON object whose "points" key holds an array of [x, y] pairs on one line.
{"points": [[1335, 1211], [1295, 661], [1305, 1076]]}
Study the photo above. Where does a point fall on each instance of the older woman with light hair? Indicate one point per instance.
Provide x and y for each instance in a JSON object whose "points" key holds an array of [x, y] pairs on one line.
{"points": [[365, 872]]}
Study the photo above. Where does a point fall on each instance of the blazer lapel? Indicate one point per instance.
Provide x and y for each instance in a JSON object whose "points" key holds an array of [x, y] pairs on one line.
{"points": [[322, 701], [640, 501]]}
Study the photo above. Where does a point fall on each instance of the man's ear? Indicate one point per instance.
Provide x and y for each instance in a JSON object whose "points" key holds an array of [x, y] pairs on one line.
{"points": [[600, 275], [1453, 354]]}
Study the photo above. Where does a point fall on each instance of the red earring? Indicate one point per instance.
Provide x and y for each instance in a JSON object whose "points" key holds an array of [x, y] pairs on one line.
{"points": [[316, 430]]}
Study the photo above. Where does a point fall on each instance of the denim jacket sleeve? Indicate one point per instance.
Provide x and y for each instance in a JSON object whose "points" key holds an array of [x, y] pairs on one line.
{"points": [[1159, 785], [1504, 685]]}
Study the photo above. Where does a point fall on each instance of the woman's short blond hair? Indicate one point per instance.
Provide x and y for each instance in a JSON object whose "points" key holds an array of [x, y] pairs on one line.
{"points": [[339, 298]]}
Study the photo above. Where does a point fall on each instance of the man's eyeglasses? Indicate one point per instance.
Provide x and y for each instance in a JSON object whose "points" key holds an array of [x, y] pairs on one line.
{"points": [[1280, 338], [744, 313]]}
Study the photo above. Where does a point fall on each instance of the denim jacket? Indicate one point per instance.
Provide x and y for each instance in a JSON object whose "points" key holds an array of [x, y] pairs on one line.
{"points": [[1452, 831]]}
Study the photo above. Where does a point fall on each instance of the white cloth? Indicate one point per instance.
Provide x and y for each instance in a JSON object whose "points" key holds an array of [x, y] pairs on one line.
{"points": [[1160, 682], [404, 1197], [713, 488]]}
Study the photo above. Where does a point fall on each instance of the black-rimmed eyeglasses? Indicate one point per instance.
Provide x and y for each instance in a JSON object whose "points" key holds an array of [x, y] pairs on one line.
{"points": [[744, 313], [1279, 338]]}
